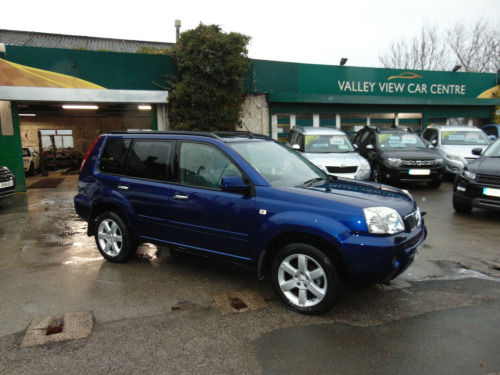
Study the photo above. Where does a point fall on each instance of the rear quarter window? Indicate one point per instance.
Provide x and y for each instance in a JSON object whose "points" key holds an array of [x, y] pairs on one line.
{"points": [[113, 156]]}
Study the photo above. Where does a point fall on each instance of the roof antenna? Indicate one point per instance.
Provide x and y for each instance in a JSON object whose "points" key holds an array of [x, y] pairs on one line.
{"points": [[241, 124]]}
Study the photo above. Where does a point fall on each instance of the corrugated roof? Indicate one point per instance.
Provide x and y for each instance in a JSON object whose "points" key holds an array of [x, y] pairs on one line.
{"points": [[35, 39]]}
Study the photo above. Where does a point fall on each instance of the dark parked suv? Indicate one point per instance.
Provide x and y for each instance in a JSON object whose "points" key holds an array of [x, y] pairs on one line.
{"points": [[478, 185], [399, 155], [247, 197], [7, 183]]}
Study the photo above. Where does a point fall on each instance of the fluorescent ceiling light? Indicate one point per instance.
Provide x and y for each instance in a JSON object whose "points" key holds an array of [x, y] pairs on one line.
{"points": [[27, 114], [144, 107], [76, 106]]}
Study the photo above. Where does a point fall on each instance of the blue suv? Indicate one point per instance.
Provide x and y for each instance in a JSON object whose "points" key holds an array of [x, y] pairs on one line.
{"points": [[247, 197]]}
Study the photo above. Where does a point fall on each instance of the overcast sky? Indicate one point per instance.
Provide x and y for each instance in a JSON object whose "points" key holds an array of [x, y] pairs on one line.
{"points": [[317, 32]]}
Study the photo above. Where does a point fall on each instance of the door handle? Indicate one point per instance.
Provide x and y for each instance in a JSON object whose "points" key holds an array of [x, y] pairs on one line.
{"points": [[122, 187], [181, 197]]}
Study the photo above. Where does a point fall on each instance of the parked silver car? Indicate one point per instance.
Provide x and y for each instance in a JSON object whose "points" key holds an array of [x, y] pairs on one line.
{"points": [[455, 144], [329, 149]]}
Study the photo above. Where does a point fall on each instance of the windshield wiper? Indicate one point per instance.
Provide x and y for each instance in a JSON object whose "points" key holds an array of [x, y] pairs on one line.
{"points": [[312, 181]]}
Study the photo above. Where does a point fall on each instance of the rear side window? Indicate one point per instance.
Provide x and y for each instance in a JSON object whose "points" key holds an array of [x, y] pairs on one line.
{"points": [[114, 155], [150, 159]]}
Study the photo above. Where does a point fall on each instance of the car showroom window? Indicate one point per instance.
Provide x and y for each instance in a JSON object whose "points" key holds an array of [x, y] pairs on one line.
{"points": [[113, 156], [203, 165], [149, 159]]}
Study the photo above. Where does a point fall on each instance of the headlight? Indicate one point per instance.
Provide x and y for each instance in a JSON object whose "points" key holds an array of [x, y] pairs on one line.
{"points": [[395, 162], [26, 161], [438, 161], [383, 220], [453, 157], [469, 175]]}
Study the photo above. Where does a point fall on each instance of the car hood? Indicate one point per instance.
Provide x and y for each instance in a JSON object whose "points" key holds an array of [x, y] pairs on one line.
{"points": [[346, 193], [416, 153], [336, 159], [485, 165]]}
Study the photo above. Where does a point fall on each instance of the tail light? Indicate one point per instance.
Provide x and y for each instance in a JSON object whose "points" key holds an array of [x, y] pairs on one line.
{"points": [[88, 153]]}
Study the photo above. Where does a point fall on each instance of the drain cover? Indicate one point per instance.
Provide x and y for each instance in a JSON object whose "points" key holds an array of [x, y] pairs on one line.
{"points": [[72, 326], [240, 301]]}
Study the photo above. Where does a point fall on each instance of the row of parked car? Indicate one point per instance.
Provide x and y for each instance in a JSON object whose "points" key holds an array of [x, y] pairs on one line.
{"points": [[398, 155]]}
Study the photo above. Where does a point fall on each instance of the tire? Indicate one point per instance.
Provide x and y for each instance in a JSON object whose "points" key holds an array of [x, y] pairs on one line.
{"points": [[461, 207], [31, 171], [435, 183], [377, 175], [113, 238], [305, 279]]}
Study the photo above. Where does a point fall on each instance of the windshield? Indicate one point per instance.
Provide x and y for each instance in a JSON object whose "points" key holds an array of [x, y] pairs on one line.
{"points": [[26, 152], [494, 150], [327, 143], [464, 137], [279, 165], [398, 141]]}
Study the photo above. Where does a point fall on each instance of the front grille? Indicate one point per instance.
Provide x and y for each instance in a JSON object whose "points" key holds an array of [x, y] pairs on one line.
{"points": [[413, 220], [418, 163], [5, 175], [488, 179], [342, 169]]}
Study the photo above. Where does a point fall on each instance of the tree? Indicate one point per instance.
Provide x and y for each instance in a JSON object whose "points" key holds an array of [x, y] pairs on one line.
{"points": [[208, 92], [475, 47], [426, 51]]}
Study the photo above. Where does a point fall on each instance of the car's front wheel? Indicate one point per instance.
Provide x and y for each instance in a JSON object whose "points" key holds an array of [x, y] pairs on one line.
{"points": [[461, 207], [113, 238], [306, 279]]}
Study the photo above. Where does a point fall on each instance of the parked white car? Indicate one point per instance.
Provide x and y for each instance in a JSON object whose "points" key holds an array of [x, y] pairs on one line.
{"points": [[455, 144], [329, 149], [31, 160]]}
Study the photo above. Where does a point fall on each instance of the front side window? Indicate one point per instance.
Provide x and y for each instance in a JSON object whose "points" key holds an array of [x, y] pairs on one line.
{"points": [[279, 165], [395, 141], [203, 165], [113, 156], [464, 137], [150, 159]]}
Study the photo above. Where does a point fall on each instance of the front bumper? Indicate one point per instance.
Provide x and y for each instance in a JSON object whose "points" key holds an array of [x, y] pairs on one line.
{"points": [[377, 259], [471, 193], [416, 174]]}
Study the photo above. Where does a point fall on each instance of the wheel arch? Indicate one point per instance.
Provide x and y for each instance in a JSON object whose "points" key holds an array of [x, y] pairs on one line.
{"points": [[286, 238]]}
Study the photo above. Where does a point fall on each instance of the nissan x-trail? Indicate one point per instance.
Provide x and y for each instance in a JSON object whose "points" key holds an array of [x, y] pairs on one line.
{"points": [[247, 197]]}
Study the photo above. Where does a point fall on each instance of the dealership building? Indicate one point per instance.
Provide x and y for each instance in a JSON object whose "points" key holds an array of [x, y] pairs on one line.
{"points": [[60, 92]]}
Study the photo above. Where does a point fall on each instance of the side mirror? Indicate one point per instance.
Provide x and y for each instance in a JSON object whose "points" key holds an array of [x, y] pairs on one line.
{"points": [[434, 142], [477, 151], [234, 184], [369, 147], [296, 147]]}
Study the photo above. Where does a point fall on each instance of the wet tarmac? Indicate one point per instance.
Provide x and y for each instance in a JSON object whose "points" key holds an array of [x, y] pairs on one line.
{"points": [[161, 312]]}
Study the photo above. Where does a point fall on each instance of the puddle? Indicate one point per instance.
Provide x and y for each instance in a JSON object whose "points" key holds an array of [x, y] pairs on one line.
{"points": [[456, 271]]}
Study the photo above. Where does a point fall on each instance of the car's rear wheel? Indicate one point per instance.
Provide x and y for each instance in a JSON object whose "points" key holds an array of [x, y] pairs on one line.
{"points": [[460, 206], [306, 279], [113, 238]]}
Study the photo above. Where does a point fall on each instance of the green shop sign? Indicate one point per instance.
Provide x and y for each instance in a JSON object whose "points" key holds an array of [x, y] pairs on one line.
{"points": [[341, 84]]}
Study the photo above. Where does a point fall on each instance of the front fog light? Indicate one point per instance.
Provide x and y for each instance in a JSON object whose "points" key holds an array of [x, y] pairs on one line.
{"points": [[383, 220]]}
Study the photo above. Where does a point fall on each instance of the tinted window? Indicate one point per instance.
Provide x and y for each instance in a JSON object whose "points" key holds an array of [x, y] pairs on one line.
{"points": [[149, 159], [204, 165], [113, 156]]}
